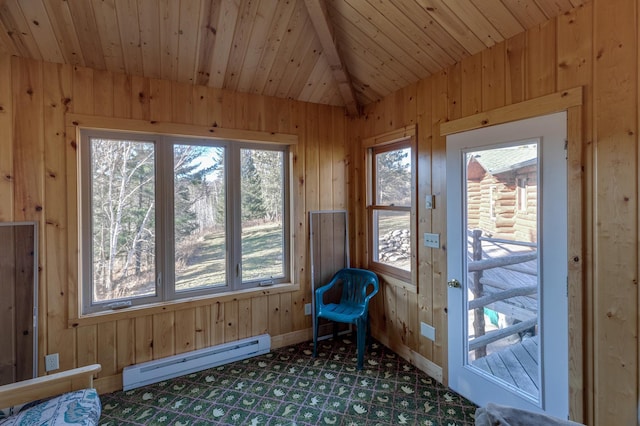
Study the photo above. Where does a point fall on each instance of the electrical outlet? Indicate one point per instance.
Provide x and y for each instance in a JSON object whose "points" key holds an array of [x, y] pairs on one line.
{"points": [[307, 309], [427, 331], [51, 362], [431, 240]]}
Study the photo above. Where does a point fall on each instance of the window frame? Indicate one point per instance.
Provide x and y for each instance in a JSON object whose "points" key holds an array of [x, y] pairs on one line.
{"points": [[164, 193], [392, 141]]}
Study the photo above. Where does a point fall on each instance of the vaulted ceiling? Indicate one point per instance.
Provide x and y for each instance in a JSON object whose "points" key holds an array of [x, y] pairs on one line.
{"points": [[338, 52]]}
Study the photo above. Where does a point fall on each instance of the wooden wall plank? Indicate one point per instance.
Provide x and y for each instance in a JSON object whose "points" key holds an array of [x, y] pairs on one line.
{"points": [[203, 326], [425, 260], [164, 337], [87, 345], [122, 96], [217, 323], [160, 101], [541, 60], [470, 85], [28, 125], [274, 314], [338, 157], [185, 330], [438, 216], [57, 95], [143, 339], [615, 132], [300, 227], [259, 315], [516, 69], [231, 321], [575, 67], [182, 103], [103, 93], [140, 98], [244, 318], [106, 348], [6, 149], [125, 343], [493, 71]]}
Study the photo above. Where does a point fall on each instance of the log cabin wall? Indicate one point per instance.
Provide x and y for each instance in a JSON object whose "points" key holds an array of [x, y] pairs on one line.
{"points": [[38, 182], [594, 46]]}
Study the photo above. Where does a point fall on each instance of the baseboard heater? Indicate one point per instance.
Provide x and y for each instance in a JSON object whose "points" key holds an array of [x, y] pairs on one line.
{"points": [[157, 370]]}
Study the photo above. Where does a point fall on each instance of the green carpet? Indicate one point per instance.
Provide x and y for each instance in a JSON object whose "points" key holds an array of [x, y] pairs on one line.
{"points": [[289, 387]]}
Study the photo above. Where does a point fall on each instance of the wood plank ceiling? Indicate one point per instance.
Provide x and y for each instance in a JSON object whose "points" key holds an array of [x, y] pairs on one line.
{"points": [[270, 47]]}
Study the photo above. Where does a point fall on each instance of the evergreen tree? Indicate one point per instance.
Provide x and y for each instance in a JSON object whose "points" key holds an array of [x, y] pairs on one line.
{"points": [[251, 188], [393, 178]]}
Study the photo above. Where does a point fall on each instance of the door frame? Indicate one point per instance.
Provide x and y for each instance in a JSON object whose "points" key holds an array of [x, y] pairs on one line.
{"points": [[571, 101]]}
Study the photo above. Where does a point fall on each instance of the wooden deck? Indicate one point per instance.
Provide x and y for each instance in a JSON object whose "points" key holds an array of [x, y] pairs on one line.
{"points": [[516, 364], [495, 280]]}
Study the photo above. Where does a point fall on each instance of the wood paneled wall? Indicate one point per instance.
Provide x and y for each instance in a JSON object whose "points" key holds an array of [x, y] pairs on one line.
{"points": [[38, 181], [594, 46]]}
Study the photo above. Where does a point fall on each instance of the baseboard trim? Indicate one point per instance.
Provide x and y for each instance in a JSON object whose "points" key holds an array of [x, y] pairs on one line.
{"points": [[422, 363], [291, 338], [108, 384]]}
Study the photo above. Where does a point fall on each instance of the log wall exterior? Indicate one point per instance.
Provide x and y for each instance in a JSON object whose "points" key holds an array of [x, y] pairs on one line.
{"points": [[595, 46], [38, 169]]}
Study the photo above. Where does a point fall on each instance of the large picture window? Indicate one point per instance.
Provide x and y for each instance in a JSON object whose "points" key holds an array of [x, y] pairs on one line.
{"points": [[167, 217], [391, 207]]}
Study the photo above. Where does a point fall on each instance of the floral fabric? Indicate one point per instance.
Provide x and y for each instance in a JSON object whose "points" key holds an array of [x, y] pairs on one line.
{"points": [[74, 408]]}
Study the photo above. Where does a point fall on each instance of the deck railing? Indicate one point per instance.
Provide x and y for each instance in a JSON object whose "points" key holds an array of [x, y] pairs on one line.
{"points": [[477, 266]]}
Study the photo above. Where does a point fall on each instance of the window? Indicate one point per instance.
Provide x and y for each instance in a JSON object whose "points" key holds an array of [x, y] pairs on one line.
{"points": [[391, 208], [167, 217], [521, 194], [493, 198]]}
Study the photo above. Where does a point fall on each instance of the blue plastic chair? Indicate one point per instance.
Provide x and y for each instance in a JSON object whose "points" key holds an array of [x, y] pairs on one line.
{"points": [[353, 307]]}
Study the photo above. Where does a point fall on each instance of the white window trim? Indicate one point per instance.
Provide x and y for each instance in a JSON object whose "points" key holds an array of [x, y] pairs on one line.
{"points": [[401, 135], [167, 294]]}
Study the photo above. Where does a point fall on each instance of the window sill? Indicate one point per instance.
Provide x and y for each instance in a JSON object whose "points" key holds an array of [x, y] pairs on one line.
{"points": [[176, 305], [394, 280]]}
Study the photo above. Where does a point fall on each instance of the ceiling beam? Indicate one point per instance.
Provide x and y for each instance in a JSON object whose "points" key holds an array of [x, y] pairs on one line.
{"points": [[320, 18]]}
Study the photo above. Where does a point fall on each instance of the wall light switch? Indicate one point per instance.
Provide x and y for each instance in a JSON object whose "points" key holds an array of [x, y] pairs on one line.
{"points": [[307, 309], [430, 202], [431, 240]]}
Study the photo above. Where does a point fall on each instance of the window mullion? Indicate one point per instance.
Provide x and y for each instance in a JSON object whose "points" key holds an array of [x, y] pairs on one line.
{"points": [[164, 229], [234, 220]]}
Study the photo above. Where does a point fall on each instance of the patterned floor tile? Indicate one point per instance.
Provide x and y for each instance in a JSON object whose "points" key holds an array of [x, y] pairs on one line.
{"points": [[289, 387]]}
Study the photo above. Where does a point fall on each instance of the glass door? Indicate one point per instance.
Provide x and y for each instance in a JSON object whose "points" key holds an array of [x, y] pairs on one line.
{"points": [[507, 264]]}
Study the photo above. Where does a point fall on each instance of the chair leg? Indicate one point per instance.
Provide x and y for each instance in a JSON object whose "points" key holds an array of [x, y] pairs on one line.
{"points": [[368, 341], [315, 337], [361, 324]]}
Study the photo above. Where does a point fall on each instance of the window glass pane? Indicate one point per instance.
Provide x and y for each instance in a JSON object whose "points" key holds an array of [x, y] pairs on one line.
{"points": [[123, 214], [392, 238], [199, 216], [393, 177], [262, 209]]}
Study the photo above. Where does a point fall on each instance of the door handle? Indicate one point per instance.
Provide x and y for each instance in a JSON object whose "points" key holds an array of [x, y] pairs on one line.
{"points": [[454, 283]]}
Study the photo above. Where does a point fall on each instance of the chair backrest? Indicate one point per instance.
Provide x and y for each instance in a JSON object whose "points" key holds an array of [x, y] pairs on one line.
{"points": [[354, 285]]}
